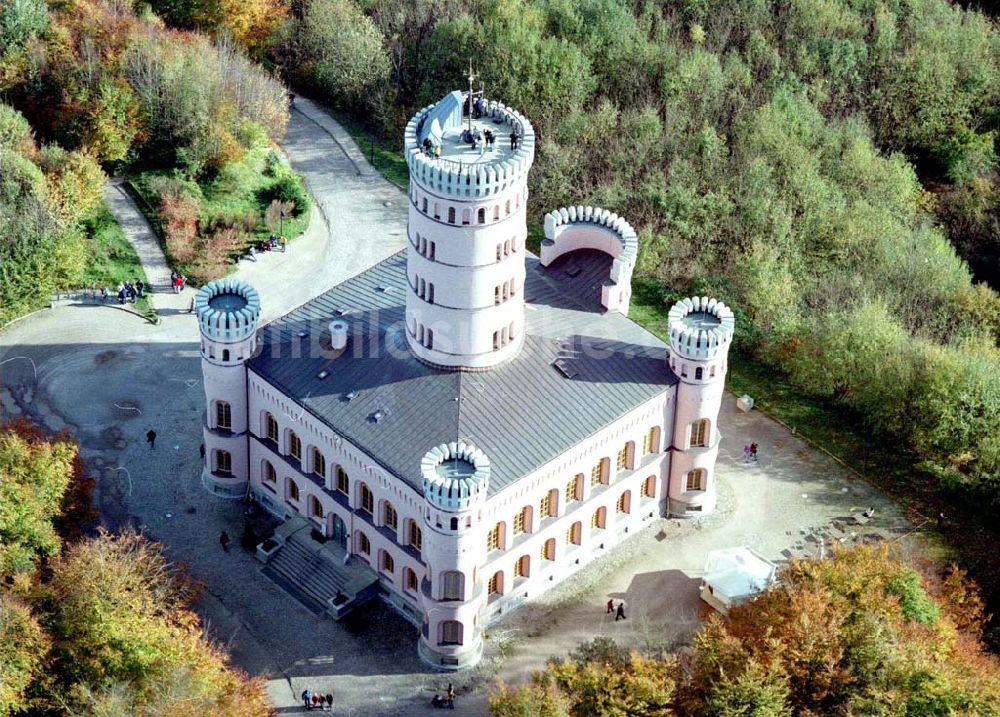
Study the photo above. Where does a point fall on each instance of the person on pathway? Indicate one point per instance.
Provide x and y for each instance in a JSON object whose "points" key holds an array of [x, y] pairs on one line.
{"points": [[450, 697], [620, 613], [307, 698], [201, 451], [746, 452], [610, 606], [104, 294], [224, 541], [151, 438], [513, 140], [140, 287], [329, 701], [317, 701], [753, 452]]}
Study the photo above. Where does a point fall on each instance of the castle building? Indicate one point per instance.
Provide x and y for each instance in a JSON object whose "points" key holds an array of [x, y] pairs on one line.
{"points": [[466, 423]]}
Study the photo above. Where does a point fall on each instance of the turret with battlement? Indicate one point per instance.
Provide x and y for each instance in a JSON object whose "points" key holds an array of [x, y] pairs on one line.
{"points": [[456, 479], [228, 311], [467, 227], [701, 331]]}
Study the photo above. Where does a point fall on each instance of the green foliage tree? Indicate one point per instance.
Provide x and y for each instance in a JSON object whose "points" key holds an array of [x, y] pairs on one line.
{"points": [[34, 476], [23, 648]]}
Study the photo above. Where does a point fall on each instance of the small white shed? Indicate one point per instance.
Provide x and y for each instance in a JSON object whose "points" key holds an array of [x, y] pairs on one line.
{"points": [[734, 576]]}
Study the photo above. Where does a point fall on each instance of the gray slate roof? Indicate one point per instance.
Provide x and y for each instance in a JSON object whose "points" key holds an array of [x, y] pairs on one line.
{"points": [[521, 414]]}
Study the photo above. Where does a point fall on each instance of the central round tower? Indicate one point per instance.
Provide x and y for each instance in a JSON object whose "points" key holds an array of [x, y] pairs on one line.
{"points": [[467, 227]]}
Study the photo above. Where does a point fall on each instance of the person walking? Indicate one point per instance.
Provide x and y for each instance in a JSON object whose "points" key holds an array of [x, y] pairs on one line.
{"points": [[151, 438], [307, 696], [746, 452], [224, 541], [317, 701], [620, 613], [329, 701], [753, 452], [140, 287], [610, 606], [201, 451]]}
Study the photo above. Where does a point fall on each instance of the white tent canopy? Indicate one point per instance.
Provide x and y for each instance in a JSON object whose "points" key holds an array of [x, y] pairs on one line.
{"points": [[734, 576]]}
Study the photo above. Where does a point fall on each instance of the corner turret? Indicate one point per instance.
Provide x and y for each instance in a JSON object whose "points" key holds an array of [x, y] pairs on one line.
{"points": [[456, 479], [228, 311], [701, 331]]}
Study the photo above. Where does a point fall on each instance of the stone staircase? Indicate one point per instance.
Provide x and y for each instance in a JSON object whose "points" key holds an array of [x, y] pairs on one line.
{"points": [[315, 573]]}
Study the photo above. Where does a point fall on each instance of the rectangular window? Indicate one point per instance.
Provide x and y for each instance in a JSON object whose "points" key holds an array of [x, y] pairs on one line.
{"points": [[699, 433], [451, 633], [696, 479], [597, 473], [223, 416], [648, 487], [622, 505]]}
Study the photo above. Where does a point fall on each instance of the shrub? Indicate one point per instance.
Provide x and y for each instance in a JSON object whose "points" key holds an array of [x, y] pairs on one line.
{"points": [[273, 216], [288, 188], [179, 213]]}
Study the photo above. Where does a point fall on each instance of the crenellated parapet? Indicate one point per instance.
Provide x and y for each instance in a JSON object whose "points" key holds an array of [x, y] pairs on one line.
{"points": [[228, 310], [700, 328], [455, 476], [583, 227], [472, 179]]}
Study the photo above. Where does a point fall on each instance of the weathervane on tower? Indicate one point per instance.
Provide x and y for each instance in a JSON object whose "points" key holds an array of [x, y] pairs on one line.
{"points": [[472, 93]]}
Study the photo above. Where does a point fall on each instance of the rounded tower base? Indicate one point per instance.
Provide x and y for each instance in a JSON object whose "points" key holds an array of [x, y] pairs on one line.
{"points": [[224, 488], [449, 658]]}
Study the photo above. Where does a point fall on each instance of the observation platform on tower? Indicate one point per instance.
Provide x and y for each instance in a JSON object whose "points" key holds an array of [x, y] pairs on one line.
{"points": [[455, 149]]}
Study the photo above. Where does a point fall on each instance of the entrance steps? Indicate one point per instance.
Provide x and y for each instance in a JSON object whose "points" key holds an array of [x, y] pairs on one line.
{"points": [[316, 574]]}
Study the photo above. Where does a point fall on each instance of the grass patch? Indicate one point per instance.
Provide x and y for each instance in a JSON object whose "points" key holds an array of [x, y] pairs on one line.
{"points": [[385, 155], [110, 257], [237, 197]]}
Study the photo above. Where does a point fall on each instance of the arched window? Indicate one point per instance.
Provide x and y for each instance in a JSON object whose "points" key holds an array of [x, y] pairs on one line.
{"points": [[507, 208], [223, 416], [430, 338], [409, 580], [695, 479], [466, 214], [574, 533], [294, 446], [223, 462], [451, 215], [437, 211], [623, 459], [319, 463], [597, 473], [389, 518], [451, 632], [651, 441], [453, 585], [495, 538], [522, 568], [364, 545], [225, 354], [270, 427], [495, 585], [624, 504], [343, 484], [547, 506], [698, 373], [423, 205], [386, 563], [499, 252], [711, 371], [599, 518], [454, 523], [649, 487], [315, 507], [574, 488], [496, 213], [268, 474], [549, 549], [292, 491], [699, 433], [522, 521], [481, 215], [414, 538], [366, 499]]}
